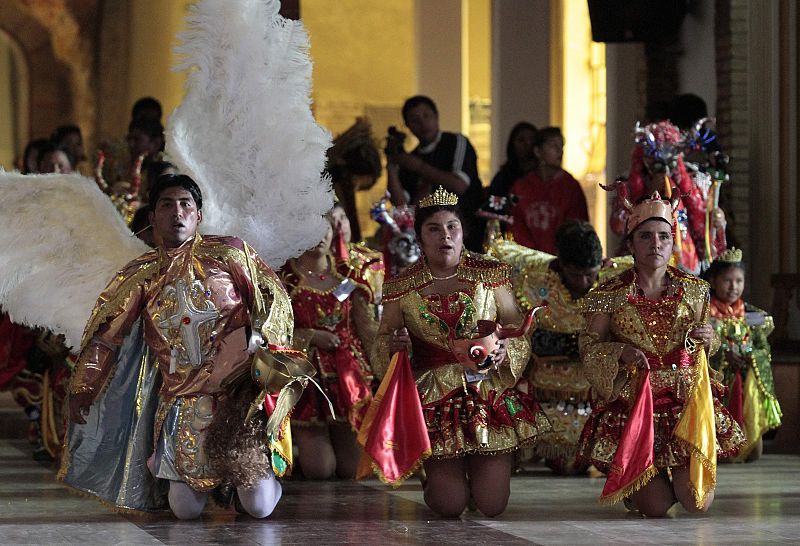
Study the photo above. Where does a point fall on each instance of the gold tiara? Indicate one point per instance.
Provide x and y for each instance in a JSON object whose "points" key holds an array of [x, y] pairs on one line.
{"points": [[732, 255], [439, 198]]}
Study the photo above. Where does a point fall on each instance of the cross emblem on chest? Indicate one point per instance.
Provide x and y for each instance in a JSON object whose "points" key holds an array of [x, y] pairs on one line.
{"points": [[187, 319]]}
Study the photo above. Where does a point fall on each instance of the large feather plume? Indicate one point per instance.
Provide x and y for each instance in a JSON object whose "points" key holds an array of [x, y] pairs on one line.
{"points": [[62, 241], [245, 130]]}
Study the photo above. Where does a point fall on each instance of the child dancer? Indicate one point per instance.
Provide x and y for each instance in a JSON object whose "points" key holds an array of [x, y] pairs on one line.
{"points": [[744, 356]]}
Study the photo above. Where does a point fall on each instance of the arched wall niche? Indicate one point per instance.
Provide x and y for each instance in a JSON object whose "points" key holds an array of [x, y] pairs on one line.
{"points": [[49, 96], [14, 100]]}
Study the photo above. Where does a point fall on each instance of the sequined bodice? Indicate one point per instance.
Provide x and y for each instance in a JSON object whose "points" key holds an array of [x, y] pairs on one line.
{"points": [[656, 327], [452, 313], [319, 309]]}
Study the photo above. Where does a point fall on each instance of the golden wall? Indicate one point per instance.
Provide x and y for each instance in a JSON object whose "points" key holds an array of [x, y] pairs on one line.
{"points": [[152, 40], [364, 65]]}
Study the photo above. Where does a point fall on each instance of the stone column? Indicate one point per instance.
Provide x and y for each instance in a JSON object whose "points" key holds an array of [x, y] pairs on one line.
{"points": [[520, 69]]}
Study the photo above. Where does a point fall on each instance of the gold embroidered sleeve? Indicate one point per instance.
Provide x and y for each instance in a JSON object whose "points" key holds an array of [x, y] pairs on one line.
{"points": [[601, 365], [380, 355], [272, 309], [523, 260], [518, 349], [364, 320], [715, 344]]}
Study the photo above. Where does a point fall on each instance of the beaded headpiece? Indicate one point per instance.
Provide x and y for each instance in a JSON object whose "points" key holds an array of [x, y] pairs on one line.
{"points": [[654, 207], [732, 255], [440, 197]]}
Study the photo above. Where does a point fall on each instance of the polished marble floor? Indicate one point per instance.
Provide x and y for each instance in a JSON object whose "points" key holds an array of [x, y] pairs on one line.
{"points": [[756, 504]]}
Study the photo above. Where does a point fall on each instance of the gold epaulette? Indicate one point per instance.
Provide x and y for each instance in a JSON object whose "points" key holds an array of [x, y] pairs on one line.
{"points": [[361, 255], [288, 278], [769, 323], [414, 278], [366, 269], [696, 290], [473, 268], [685, 278], [489, 271], [609, 295], [621, 265]]}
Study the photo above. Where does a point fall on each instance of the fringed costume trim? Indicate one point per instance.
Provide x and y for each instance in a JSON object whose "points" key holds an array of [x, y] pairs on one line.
{"points": [[630, 488]]}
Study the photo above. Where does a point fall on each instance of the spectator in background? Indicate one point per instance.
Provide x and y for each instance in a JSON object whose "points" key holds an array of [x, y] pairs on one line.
{"points": [[55, 159], [30, 158], [520, 158], [69, 137], [547, 196], [441, 159], [145, 138], [146, 108]]}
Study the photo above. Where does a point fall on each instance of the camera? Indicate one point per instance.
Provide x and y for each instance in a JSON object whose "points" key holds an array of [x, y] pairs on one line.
{"points": [[394, 141]]}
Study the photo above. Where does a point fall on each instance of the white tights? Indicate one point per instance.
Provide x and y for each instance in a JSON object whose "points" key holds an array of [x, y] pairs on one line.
{"points": [[185, 502], [259, 501]]}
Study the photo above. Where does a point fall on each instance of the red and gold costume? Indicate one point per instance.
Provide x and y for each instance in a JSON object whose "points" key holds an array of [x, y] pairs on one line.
{"points": [[195, 303], [25, 385], [644, 421], [37, 379], [554, 371], [344, 373], [743, 329], [462, 415]]}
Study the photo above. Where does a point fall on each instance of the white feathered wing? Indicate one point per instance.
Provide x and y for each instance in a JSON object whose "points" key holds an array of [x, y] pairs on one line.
{"points": [[61, 242], [245, 131]]}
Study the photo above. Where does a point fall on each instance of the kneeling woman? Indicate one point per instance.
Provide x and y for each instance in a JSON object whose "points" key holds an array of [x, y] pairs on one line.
{"points": [[657, 424], [324, 321], [474, 420]]}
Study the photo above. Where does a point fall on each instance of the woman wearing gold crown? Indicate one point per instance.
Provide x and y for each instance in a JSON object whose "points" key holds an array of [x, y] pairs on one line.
{"points": [[464, 419], [657, 426], [744, 357]]}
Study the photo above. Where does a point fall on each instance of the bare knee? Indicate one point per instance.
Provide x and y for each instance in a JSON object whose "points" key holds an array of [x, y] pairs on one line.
{"points": [[684, 491], [653, 505], [317, 459], [491, 500], [319, 469], [446, 495], [656, 498], [346, 450], [446, 490], [690, 505], [444, 504], [490, 482], [492, 507], [654, 510]]}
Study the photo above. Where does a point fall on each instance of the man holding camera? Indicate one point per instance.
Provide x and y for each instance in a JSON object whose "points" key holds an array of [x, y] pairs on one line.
{"points": [[441, 159]]}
